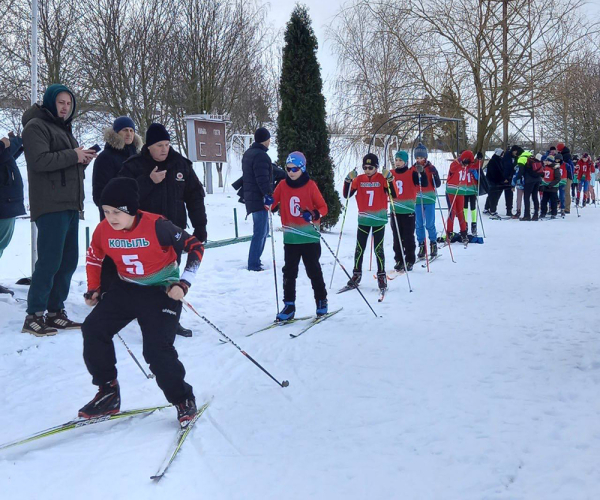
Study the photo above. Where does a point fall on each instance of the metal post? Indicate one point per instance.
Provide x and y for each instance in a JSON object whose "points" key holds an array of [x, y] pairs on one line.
{"points": [[34, 93], [235, 225], [505, 118], [208, 184]]}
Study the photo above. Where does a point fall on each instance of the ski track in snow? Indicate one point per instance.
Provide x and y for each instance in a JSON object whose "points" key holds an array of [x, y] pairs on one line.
{"points": [[482, 384]]}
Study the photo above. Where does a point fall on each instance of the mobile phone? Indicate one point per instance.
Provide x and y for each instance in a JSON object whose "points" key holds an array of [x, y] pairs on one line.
{"points": [[96, 148]]}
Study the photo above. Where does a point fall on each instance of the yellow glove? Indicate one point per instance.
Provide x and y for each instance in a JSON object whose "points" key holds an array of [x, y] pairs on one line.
{"points": [[387, 175], [351, 176]]}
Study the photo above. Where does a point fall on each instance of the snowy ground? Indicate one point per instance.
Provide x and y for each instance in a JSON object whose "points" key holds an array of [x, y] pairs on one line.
{"points": [[482, 384]]}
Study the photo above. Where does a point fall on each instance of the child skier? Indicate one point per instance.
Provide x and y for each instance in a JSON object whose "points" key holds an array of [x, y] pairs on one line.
{"points": [[425, 209], [301, 205], [471, 190], [372, 197], [585, 169], [406, 186], [146, 249], [458, 175], [550, 183]]}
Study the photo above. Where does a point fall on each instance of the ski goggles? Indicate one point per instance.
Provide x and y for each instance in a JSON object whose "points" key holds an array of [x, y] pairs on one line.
{"points": [[369, 167], [293, 169]]}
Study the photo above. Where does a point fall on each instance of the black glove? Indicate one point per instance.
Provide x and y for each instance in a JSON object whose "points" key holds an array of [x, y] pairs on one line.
{"points": [[479, 155], [200, 233]]}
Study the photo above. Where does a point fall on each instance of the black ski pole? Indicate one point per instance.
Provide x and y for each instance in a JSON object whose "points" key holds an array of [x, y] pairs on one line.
{"points": [[344, 269], [285, 383], [134, 358]]}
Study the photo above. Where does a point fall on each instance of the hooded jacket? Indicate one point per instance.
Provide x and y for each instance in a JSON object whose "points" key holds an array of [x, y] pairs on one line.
{"points": [[55, 177], [110, 161]]}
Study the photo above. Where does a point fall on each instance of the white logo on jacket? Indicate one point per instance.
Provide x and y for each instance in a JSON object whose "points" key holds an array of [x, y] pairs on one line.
{"points": [[179, 177], [168, 311]]}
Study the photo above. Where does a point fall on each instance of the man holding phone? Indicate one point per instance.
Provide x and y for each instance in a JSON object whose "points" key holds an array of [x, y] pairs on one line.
{"points": [[55, 165]]}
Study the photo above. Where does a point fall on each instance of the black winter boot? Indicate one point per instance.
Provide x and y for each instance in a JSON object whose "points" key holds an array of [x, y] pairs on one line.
{"points": [[106, 402], [60, 321], [421, 254], [434, 249], [36, 325]]}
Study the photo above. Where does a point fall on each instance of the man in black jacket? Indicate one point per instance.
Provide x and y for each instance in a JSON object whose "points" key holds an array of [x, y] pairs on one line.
{"points": [[168, 185], [495, 177], [258, 187], [509, 162]]}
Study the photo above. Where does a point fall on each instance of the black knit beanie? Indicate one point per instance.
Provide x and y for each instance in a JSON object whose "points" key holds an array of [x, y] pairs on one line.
{"points": [[261, 135], [371, 160], [121, 193], [156, 133]]}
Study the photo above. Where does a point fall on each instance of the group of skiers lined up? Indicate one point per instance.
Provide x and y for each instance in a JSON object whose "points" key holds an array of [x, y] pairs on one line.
{"points": [[555, 175], [411, 193]]}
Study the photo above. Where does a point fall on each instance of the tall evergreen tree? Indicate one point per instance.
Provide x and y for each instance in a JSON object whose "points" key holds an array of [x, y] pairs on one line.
{"points": [[301, 122]]}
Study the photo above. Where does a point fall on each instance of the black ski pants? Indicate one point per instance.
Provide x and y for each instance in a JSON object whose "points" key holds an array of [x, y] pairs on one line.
{"points": [[310, 253], [553, 199], [406, 226], [158, 317], [362, 236], [495, 193], [531, 193]]}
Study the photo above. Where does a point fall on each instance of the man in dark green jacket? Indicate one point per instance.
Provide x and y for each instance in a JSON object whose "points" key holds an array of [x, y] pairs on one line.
{"points": [[55, 166]]}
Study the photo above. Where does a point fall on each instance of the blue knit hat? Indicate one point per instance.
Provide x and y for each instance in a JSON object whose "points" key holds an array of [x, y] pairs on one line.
{"points": [[298, 159], [123, 122], [421, 151], [402, 155]]}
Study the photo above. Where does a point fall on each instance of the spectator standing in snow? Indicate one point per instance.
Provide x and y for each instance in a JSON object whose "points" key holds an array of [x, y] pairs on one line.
{"points": [[168, 185], [55, 166], [11, 191], [121, 143], [257, 174], [509, 162], [495, 176]]}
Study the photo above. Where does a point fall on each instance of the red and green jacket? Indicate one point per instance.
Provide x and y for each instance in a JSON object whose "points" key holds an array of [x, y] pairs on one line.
{"points": [[294, 201]]}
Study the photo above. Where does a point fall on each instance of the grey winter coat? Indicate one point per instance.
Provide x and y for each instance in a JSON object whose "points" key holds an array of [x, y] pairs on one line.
{"points": [[55, 177]]}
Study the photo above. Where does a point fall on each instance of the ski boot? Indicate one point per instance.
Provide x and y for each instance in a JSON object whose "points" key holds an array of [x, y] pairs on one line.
{"points": [[60, 321], [562, 214], [474, 228], [186, 411], [355, 280], [322, 307], [106, 402], [535, 216], [409, 266], [183, 332], [36, 325], [552, 217], [434, 250], [288, 312], [464, 239], [382, 281], [487, 211], [399, 267], [421, 254], [516, 216]]}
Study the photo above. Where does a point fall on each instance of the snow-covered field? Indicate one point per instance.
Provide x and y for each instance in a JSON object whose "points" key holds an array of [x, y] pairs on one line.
{"points": [[482, 384]]}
